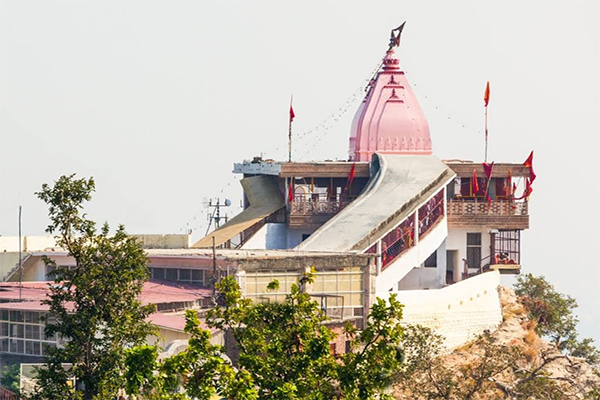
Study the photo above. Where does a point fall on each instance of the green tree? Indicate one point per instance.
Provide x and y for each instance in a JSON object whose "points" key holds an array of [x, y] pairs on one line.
{"points": [[11, 376], [94, 306], [428, 376], [554, 314], [285, 352]]}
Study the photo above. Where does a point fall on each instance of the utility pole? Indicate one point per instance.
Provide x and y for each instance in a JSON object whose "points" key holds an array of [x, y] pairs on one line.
{"points": [[214, 277], [20, 260]]}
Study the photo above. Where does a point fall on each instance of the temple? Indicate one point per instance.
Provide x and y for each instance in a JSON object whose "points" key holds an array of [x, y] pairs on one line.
{"points": [[441, 231], [393, 218], [431, 223]]}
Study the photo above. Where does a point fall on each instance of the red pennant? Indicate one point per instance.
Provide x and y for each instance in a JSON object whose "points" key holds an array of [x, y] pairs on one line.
{"points": [[529, 164], [291, 191], [486, 95], [488, 168], [475, 184], [292, 115]]}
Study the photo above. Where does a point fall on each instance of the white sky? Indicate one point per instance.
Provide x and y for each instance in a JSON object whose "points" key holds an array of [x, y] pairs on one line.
{"points": [[157, 100]]}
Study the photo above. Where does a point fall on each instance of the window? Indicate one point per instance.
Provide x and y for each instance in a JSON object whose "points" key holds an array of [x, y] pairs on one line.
{"points": [[431, 261], [16, 316], [333, 348], [171, 274], [158, 273], [474, 250], [185, 275], [49, 270], [4, 329], [198, 276]]}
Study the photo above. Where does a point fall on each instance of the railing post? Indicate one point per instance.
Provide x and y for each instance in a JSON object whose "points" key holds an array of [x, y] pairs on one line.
{"points": [[416, 229], [378, 250]]}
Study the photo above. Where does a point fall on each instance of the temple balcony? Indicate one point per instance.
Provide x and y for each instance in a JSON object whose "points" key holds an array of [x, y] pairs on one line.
{"points": [[498, 213], [313, 210]]}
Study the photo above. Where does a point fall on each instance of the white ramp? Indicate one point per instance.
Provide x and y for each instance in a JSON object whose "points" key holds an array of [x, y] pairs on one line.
{"points": [[401, 185]]}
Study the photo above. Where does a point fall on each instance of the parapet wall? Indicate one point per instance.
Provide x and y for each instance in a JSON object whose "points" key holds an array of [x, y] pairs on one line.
{"points": [[459, 312]]}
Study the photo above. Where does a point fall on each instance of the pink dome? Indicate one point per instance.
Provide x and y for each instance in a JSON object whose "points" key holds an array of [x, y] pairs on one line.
{"points": [[390, 119]]}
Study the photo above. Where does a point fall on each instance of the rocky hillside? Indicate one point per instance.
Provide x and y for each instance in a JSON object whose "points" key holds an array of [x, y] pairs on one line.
{"points": [[511, 363]]}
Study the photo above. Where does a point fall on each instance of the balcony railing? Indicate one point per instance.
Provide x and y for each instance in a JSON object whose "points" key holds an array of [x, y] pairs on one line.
{"points": [[482, 207], [318, 204], [6, 394]]}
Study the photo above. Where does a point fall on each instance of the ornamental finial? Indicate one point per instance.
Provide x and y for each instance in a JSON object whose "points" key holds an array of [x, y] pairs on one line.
{"points": [[395, 36]]}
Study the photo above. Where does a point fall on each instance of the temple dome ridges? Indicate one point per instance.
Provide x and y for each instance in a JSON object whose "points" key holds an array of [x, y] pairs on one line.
{"points": [[390, 119]]}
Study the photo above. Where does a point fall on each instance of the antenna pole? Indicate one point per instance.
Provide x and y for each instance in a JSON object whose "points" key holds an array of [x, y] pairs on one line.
{"points": [[20, 260]]}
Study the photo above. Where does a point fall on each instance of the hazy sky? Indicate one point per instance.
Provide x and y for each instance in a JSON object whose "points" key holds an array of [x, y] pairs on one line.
{"points": [[157, 99]]}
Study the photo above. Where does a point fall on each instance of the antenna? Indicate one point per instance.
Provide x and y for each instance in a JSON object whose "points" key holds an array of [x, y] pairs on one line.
{"points": [[216, 214]]}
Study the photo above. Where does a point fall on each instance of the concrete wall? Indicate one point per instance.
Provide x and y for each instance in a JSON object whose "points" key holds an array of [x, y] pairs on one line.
{"points": [[28, 243], [7, 262], [34, 268], [39, 243], [459, 312], [276, 236], [171, 241], [427, 277], [457, 240], [271, 236], [294, 237]]}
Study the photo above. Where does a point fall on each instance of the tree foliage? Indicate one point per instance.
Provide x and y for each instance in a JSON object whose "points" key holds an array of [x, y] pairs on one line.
{"points": [[484, 369], [94, 305], [427, 376], [10, 378], [554, 314], [285, 352]]}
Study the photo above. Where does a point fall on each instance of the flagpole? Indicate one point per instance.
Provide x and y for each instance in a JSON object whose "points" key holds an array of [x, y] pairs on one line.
{"points": [[290, 133], [486, 133], [486, 100]]}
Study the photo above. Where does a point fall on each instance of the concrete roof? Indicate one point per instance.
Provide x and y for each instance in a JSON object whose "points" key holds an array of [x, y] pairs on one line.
{"points": [[174, 321], [392, 194], [25, 306], [155, 292]]}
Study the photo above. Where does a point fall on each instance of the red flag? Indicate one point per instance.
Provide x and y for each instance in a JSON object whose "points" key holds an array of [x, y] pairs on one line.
{"points": [[291, 191], [351, 175], [292, 115], [475, 184], [529, 164], [350, 179], [487, 168], [486, 95]]}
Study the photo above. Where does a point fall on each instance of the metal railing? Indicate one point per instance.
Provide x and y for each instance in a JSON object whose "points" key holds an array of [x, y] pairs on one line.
{"points": [[430, 213], [6, 394], [318, 204]]}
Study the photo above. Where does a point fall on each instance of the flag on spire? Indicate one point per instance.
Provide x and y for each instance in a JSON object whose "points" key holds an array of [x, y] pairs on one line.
{"points": [[292, 115], [486, 95]]}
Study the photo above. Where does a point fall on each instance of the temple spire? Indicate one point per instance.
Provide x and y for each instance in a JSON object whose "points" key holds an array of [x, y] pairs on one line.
{"points": [[390, 119]]}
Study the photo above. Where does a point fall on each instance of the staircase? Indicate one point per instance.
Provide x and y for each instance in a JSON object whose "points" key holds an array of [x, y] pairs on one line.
{"points": [[13, 271]]}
